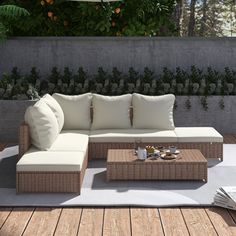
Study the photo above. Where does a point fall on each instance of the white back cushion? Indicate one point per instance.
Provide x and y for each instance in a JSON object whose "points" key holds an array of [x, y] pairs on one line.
{"points": [[56, 109], [43, 125], [153, 112], [111, 112], [76, 110]]}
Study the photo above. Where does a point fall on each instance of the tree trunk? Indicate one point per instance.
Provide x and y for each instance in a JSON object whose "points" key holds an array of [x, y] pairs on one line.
{"points": [[178, 16], [203, 20], [191, 24], [214, 20]]}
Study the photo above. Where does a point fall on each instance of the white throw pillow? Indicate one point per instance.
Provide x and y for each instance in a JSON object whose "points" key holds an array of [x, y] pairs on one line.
{"points": [[43, 125], [111, 112], [153, 112], [76, 110], [56, 109]]}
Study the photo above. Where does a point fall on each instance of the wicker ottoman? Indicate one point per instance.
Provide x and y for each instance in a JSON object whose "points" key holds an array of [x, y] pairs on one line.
{"points": [[124, 165], [52, 181]]}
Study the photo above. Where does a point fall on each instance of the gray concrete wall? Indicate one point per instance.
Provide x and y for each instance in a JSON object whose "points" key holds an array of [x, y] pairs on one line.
{"points": [[120, 52], [224, 120], [12, 114]]}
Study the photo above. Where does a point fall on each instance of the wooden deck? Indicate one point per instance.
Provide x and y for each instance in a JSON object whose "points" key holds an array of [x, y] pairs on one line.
{"points": [[114, 221], [117, 221]]}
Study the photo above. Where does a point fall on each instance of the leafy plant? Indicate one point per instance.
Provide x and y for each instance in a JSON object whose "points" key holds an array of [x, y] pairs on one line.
{"points": [[148, 75], [116, 75], [71, 18], [193, 82], [81, 76], [204, 103], [188, 104], [221, 103], [133, 75], [67, 76], [55, 76], [8, 16], [101, 75], [33, 76]]}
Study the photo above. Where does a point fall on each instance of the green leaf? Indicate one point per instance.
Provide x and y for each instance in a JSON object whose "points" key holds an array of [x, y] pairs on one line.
{"points": [[3, 32], [12, 11]]}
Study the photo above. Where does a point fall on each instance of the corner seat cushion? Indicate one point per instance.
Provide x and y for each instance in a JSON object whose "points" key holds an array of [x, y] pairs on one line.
{"points": [[56, 109], [129, 135], [36, 160], [71, 140], [198, 134], [43, 125]]}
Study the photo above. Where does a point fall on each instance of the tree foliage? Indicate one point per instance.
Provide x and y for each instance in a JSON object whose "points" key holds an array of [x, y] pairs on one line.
{"points": [[12, 11], [122, 18], [8, 16], [208, 18]]}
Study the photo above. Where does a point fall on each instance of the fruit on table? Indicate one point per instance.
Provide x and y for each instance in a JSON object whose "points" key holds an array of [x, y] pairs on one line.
{"points": [[150, 149]]}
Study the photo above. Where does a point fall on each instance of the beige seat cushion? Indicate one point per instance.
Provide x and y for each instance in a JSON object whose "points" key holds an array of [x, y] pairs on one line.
{"points": [[130, 135], [56, 109], [36, 160], [198, 134], [71, 140], [153, 112], [76, 110], [111, 112], [43, 125]]}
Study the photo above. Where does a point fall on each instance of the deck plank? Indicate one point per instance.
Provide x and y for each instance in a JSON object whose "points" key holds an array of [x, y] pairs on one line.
{"points": [[68, 223], [233, 215], [16, 222], [146, 221], [116, 222], [4, 213], [198, 222], [43, 222], [222, 221], [91, 222], [173, 222]]}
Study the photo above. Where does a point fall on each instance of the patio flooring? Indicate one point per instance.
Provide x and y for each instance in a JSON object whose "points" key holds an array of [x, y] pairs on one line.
{"points": [[119, 221]]}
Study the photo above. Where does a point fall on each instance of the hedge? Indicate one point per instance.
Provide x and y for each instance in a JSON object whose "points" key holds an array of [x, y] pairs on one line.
{"points": [[179, 82]]}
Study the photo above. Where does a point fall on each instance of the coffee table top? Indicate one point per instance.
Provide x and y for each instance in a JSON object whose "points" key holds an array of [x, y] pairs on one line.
{"points": [[128, 156]]}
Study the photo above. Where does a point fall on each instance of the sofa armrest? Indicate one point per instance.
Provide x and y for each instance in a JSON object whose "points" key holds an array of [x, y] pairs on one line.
{"points": [[24, 139]]}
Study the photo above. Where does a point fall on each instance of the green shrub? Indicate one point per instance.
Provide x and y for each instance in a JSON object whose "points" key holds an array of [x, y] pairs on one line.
{"points": [[193, 82]]}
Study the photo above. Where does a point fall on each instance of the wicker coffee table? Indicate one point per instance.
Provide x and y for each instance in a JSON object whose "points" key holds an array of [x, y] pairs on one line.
{"points": [[122, 164]]}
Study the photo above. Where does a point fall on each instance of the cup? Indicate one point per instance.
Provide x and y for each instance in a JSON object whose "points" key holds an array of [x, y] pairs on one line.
{"points": [[137, 143], [157, 153], [142, 153], [172, 149]]}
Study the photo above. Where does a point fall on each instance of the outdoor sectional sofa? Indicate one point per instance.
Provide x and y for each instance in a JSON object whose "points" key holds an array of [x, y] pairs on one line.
{"points": [[61, 133]]}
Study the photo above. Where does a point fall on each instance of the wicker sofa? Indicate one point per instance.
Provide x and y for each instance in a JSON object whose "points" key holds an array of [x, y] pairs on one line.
{"points": [[110, 123]]}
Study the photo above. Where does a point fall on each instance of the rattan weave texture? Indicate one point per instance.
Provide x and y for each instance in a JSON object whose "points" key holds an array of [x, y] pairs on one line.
{"points": [[209, 150], [122, 164]]}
